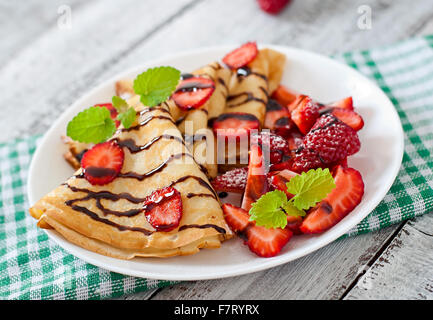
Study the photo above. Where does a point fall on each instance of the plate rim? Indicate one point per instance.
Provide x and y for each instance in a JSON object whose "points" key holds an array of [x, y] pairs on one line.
{"points": [[270, 262]]}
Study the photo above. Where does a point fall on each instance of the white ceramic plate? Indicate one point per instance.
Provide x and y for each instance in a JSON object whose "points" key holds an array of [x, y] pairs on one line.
{"points": [[322, 78]]}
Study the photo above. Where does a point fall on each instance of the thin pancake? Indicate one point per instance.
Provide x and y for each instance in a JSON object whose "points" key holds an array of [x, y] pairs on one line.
{"points": [[111, 213]]}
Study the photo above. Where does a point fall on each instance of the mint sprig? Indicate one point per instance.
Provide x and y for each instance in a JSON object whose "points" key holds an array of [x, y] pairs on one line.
{"points": [[309, 188], [93, 125], [155, 85], [126, 114]]}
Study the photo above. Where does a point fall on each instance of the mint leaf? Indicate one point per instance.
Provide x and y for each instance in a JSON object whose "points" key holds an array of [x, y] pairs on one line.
{"points": [[93, 125], [310, 187], [155, 85], [126, 114], [291, 210], [128, 117], [267, 211], [119, 104]]}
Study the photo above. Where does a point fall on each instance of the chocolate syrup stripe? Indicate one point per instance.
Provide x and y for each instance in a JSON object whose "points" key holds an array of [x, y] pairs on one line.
{"points": [[141, 177], [132, 212], [248, 97], [133, 148]]}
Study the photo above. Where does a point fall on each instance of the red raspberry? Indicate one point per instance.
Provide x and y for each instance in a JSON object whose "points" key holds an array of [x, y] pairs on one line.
{"points": [[329, 141]]}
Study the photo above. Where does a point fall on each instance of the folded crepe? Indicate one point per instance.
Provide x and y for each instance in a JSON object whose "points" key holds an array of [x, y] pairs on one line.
{"points": [[251, 86], [107, 219], [249, 89], [195, 122]]}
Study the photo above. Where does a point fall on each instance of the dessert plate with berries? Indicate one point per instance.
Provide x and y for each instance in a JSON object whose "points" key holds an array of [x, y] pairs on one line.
{"points": [[323, 146]]}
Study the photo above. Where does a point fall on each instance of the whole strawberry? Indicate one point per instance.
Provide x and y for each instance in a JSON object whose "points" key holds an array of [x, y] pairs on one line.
{"points": [[328, 142], [272, 6]]}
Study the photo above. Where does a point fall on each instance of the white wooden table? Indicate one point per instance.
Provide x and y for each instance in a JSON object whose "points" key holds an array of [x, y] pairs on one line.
{"points": [[44, 68]]}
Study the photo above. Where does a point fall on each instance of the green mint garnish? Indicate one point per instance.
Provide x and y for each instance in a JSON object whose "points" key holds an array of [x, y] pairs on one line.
{"points": [[120, 104], [309, 188], [155, 85], [126, 114], [267, 211], [93, 125]]}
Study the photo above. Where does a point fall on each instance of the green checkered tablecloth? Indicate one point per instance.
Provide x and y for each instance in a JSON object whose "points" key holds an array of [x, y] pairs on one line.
{"points": [[33, 267]]}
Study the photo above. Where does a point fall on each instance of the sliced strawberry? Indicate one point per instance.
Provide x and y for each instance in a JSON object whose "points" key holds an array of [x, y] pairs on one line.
{"points": [[236, 218], [346, 103], [163, 209], [274, 111], [267, 242], [305, 114], [102, 163], [193, 92], [342, 200], [295, 140], [276, 144], [280, 166], [241, 56], [293, 105], [349, 117], [235, 124], [284, 96], [294, 224], [231, 181], [284, 127], [257, 183], [113, 112], [279, 180]]}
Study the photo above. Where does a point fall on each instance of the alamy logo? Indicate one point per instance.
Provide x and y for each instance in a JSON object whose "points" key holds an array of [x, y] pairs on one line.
{"points": [[65, 17], [365, 19]]}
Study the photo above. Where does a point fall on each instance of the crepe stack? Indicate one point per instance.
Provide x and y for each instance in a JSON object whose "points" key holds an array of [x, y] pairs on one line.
{"points": [[107, 219], [249, 89]]}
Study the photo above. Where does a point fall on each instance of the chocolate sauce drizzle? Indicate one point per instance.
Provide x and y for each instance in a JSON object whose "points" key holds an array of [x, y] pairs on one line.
{"points": [[248, 97], [246, 71], [134, 148]]}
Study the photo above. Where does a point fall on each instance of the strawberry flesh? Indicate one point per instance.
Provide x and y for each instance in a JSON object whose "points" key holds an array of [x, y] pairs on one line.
{"points": [[284, 127], [163, 209], [193, 92], [274, 111], [267, 242], [305, 114], [284, 96], [102, 163], [349, 117], [346, 103], [240, 57], [279, 180], [235, 124], [257, 183], [275, 144], [236, 218], [338, 204]]}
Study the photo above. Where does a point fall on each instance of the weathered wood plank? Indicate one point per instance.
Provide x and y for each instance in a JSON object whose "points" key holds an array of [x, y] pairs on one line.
{"points": [[60, 65], [404, 270], [23, 21], [324, 274]]}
